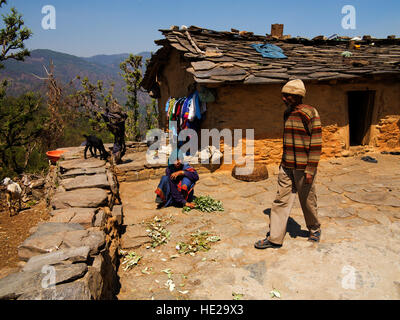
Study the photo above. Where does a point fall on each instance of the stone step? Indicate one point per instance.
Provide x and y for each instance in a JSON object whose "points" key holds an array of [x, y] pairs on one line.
{"points": [[81, 182], [63, 256], [36, 245], [81, 198], [23, 283], [86, 217]]}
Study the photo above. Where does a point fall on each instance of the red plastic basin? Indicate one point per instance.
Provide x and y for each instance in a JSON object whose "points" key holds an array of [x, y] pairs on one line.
{"points": [[54, 155]]}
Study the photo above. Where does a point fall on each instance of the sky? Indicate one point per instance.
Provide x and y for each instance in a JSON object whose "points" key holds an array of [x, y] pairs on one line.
{"points": [[90, 27]]}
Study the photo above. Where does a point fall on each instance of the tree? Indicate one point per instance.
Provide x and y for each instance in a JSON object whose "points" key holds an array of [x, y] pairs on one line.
{"points": [[20, 128], [92, 99], [151, 115], [132, 75], [12, 36]]}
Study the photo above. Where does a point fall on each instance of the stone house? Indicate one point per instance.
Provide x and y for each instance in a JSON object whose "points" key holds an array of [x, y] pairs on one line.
{"points": [[357, 94]]}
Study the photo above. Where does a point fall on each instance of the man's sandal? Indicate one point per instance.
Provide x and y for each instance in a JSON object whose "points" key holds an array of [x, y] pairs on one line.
{"points": [[265, 244], [315, 236]]}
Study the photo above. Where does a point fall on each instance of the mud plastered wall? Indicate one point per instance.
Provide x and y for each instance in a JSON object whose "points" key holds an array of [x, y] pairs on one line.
{"points": [[260, 107]]}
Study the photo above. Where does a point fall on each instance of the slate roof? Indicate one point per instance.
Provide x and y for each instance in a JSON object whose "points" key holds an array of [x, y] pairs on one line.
{"points": [[220, 57]]}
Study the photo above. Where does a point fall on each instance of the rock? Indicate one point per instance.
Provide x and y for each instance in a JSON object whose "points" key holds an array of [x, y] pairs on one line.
{"points": [[93, 239], [16, 284], [81, 182], [113, 182], [81, 164], [257, 271], [346, 153], [377, 198], [62, 256], [94, 281], [83, 216], [259, 172], [47, 238], [226, 72], [38, 194], [370, 216], [85, 198], [37, 184], [134, 237], [48, 228], [118, 213], [333, 212], [100, 219], [68, 273], [203, 65], [382, 219], [83, 171], [41, 245], [77, 290], [62, 240]]}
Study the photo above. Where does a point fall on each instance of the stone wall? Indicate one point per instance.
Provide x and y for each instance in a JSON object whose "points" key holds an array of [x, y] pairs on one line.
{"points": [[73, 256], [260, 107], [240, 106], [388, 133]]}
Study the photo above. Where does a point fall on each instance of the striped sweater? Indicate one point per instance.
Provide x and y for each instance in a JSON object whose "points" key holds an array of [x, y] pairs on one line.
{"points": [[302, 139]]}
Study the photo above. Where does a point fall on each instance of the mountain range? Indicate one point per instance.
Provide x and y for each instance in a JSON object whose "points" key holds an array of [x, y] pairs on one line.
{"points": [[24, 74]]}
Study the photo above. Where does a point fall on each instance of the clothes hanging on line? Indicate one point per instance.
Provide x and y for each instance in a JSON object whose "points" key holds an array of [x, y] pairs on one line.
{"points": [[186, 111]]}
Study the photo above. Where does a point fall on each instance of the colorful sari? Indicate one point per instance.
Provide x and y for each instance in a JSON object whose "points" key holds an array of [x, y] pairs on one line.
{"points": [[179, 191]]}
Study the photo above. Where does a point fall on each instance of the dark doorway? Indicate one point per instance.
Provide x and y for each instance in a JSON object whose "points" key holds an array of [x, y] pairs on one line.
{"points": [[360, 106]]}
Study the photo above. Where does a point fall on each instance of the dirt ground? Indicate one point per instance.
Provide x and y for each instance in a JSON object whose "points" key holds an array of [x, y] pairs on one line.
{"points": [[14, 230]]}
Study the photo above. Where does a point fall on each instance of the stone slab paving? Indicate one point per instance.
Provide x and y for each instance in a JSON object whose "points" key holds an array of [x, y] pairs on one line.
{"points": [[80, 198], [74, 240], [358, 257], [90, 181]]}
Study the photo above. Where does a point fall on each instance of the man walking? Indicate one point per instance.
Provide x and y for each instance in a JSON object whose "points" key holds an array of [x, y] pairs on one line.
{"points": [[302, 143]]}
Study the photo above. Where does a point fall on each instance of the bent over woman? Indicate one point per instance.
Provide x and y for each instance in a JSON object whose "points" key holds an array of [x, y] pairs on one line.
{"points": [[176, 188]]}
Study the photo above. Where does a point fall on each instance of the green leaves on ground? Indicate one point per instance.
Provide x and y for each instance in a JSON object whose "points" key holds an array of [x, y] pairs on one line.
{"points": [[237, 296], [206, 204], [275, 293], [157, 232], [200, 241], [131, 259]]}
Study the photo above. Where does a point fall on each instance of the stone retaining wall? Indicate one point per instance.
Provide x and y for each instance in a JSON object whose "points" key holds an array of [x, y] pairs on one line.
{"points": [[388, 136], [75, 254]]}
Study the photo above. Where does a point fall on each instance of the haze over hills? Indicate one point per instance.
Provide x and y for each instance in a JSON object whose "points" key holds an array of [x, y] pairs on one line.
{"points": [[66, 68]]}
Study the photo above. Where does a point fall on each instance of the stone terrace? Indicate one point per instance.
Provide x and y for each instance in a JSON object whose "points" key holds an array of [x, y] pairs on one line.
{"points": [[358, 257], [80, 241]]}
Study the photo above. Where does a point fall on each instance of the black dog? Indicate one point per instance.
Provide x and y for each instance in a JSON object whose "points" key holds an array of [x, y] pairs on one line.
{"points": [[96, 144]]}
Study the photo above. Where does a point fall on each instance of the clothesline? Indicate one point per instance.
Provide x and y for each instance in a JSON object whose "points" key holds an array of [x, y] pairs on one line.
{"points": [[187, 112]]}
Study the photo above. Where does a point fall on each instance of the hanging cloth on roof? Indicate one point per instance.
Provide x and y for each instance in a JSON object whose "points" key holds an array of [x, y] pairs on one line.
{"points": [[269, 50]]}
